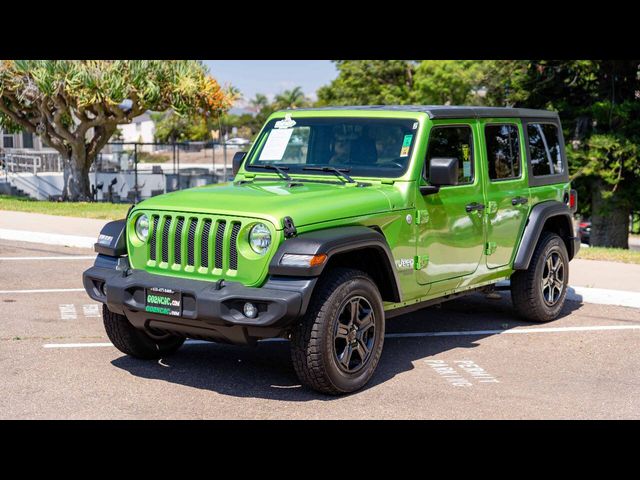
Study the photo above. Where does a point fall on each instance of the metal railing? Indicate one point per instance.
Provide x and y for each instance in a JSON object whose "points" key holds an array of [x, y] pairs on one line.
{"points": [[33, 161], [126, 172]]}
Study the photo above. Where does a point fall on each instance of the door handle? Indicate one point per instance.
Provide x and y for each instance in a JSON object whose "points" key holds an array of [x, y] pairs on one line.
{"points": [[474, 207], [519, 201]]}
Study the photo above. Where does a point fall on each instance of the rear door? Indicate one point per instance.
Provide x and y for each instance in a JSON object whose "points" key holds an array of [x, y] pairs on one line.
{"points": [[506, 188]]}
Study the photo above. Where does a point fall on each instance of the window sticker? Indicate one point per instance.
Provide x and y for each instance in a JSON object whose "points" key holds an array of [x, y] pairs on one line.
{"points": [[466, 169], [276, 144], [406, 145], [465, 152], [288, 122], [415, 125]]}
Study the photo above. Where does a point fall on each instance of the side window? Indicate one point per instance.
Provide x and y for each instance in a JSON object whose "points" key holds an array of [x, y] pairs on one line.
{"points": [[503, 151], [452, 142], [544, 149]]}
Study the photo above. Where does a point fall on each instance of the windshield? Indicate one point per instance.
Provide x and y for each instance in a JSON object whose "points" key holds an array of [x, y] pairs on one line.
{"points": [[366, 147]]}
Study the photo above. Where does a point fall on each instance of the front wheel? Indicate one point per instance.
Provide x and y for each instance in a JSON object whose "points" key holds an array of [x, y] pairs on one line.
{"points": [[538, 293], [132, 341], [337, 345]]}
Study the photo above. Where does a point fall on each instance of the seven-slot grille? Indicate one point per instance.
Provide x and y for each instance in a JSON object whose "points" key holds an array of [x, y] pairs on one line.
{"points": [[194, 242]]}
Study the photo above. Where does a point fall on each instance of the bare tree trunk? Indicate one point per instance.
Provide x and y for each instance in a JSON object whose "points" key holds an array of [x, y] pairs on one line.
{"points": [[77, 187], [609, 220]]}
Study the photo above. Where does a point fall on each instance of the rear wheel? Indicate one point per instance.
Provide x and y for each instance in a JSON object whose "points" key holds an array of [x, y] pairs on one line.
{"points": [[538, 293], [336, 347], [132, 341]]}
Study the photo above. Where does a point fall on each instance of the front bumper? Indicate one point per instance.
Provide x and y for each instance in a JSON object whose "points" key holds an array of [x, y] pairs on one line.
{"points": [[209, 310]]}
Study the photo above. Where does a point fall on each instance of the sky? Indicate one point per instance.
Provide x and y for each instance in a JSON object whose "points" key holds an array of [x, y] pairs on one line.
{"points": [[271, 77]]}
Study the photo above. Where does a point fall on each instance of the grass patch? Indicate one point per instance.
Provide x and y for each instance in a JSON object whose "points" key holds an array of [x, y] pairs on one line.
{"points": [[105, 211], [148, 157], [609, 254]]}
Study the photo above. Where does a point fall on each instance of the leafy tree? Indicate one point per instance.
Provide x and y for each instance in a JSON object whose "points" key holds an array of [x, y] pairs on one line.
{"points": [[599, 104], [259, 101], [171, 127], [450, 82], [369, 82], [75, 106], [293, 98]]}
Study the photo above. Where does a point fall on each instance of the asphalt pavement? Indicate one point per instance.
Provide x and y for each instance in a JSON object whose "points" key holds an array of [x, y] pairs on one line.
{"points": [[470, 358]]}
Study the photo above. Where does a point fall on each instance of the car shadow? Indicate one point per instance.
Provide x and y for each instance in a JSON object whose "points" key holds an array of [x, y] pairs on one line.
{"points": [[265, 371]]}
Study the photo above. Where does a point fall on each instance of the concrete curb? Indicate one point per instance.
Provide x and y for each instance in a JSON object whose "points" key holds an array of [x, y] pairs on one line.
{"points": [[47, 238], [604, 296]]}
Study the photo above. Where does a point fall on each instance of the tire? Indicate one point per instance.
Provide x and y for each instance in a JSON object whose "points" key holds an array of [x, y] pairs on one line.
{"points": [[134, 342], [531, 299], [328, 345]]}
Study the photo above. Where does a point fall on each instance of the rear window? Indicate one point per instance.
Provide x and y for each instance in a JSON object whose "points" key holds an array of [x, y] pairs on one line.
{"points": [[544, 149], [503, 151]]}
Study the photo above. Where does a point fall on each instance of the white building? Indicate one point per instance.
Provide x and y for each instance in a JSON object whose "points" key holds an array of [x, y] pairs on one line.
{"points": [[141, 129], [20, 140]]}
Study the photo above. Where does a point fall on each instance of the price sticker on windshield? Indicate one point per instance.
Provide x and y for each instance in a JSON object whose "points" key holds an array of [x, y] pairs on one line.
{"points": [[276, 145], [406, 145]]}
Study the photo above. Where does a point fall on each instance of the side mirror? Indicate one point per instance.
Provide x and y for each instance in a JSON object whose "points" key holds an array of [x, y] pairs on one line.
{"points": [[442, 172], [237, 162]]}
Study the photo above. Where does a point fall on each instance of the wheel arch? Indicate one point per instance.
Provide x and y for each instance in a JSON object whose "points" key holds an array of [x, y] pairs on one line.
{"points": [[551, 216], [358, 247]]}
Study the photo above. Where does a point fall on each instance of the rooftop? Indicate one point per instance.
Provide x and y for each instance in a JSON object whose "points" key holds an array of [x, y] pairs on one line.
{"points": [[446, 111]]}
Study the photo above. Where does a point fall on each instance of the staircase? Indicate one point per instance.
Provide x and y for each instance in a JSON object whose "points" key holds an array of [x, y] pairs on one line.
{"points": [[7, 189]]}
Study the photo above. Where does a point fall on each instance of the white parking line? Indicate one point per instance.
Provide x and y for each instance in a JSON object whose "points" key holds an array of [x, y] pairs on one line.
{"points": [[409, 334], [66, 257], [45, 290], [466, 333]]}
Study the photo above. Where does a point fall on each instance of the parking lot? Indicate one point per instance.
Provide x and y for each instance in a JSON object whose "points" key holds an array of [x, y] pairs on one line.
{"points": [[467, 359]]}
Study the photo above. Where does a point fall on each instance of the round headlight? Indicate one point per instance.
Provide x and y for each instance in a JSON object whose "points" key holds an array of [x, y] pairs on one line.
{"points": [[142, 227], [260, 238]]}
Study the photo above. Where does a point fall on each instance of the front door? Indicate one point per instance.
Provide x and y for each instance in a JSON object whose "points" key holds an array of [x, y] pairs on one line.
{"points": [[506, 189], [450, 226]]}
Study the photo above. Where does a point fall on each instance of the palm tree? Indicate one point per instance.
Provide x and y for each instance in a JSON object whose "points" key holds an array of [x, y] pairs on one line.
{"points": [[291, 98], [259, 102]]}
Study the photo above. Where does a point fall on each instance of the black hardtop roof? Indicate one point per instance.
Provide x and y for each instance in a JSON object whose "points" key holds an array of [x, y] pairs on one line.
{"points": [[450, 111]]}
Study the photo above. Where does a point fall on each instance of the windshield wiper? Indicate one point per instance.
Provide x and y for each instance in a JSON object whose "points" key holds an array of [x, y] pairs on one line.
{"points": [[338, 171], [280, 170]]}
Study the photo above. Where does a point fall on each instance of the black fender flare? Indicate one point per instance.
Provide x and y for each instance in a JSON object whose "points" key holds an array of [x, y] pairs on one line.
{"points": [[540, 213], [333, 241], [112, 240]]}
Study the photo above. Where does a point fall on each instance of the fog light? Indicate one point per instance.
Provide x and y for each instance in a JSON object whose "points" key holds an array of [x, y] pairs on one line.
{"points": [[250, 310]]}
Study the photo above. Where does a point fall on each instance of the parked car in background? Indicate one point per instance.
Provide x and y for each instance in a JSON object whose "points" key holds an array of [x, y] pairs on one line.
{"points": [[238, 141], [584, 231]]}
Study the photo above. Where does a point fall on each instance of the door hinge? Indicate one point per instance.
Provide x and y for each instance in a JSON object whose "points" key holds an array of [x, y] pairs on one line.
{"points": [[490, 247], [420, 261], [422, 216]]}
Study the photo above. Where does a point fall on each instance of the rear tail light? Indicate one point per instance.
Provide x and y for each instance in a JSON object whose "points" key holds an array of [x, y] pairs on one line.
{"points": [[573, 201]]}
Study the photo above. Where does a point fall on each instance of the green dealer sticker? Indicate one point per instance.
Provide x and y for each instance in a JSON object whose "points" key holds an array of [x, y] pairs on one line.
{"points": [[164, 301], [407, 140]]}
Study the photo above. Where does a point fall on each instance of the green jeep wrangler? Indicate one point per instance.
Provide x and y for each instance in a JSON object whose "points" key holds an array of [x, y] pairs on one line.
{"points": [[338, 219]]}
